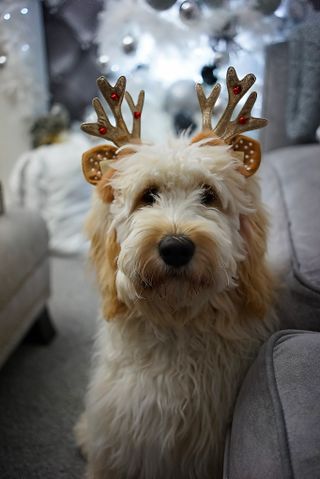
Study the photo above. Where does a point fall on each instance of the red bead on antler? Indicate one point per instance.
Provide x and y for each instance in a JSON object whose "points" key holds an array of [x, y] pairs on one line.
{"points": [[237, 89], [242, 120], [102, 130]]}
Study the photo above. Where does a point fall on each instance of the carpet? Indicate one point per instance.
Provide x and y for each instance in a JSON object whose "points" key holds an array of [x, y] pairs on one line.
{"points": [[42, 387]]}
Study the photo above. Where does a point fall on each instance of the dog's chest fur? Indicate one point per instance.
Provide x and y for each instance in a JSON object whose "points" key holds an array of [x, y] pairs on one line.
{"points": [[159, 402]]}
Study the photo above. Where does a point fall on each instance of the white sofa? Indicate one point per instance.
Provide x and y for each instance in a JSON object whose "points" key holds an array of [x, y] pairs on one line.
{"points": [[24, 278]]}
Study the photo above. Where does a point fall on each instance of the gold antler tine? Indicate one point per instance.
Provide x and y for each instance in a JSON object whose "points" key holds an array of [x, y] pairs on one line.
{"points": [[244, 121], [136, 111], [207, 104], [118, 134], [236, 90], [114, 97], [245, 148]]}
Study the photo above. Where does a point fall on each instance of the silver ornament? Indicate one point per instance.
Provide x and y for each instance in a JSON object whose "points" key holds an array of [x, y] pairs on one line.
{"points": [[267, 7], [181, 97], [161, 4], [129, 44], [189, 11]]}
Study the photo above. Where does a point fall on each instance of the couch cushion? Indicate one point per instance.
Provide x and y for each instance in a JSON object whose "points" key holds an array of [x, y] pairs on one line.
{"points": [[276, 425], [23, 245], [291, 189], [298, 172]]}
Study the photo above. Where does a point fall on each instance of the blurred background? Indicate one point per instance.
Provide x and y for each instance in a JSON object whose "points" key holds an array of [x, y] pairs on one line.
{"points": [[52, 51]]}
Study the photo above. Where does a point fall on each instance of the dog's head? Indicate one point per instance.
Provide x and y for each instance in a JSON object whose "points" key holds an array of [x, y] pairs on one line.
{"points": [[175, 227]]}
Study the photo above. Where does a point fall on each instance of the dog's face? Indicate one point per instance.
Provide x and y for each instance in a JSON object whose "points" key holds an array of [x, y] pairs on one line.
{"points": [[177, 213], [178, 227]]}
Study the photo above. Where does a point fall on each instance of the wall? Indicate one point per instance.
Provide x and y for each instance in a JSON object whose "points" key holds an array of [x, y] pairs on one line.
{"points": [[18, 106]]}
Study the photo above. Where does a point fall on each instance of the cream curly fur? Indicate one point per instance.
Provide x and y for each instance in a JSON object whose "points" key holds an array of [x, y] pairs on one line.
{"points": [[170, 358]]}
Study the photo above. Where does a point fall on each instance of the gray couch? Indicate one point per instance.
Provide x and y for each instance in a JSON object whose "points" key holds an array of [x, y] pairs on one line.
{"points": [[275, 432], [24, 279]]}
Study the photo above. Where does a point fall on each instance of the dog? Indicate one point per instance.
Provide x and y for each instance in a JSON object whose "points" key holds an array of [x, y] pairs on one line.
{"points": [[178, 241]]}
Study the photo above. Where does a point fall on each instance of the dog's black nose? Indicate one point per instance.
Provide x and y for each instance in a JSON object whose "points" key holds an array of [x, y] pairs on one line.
{"points": [[176, 250]]}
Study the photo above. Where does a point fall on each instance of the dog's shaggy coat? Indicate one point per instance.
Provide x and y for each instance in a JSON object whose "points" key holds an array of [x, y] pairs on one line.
{"points": [[177, 342]]}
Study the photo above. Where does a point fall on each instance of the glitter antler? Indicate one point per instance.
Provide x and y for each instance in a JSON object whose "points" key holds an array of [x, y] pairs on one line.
{"points": [[118, 134], [225, 128]]}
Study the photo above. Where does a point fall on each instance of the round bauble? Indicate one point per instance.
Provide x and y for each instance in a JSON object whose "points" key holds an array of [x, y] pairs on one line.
{"points": [[267, 7], [189, 11], [208, 76], [161, 4], [128, 44], [182, 121], [181, 96]]}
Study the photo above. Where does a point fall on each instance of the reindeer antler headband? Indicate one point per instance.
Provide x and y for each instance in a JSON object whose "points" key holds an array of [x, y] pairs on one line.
{"points": [[118, 134], [95, 161]]}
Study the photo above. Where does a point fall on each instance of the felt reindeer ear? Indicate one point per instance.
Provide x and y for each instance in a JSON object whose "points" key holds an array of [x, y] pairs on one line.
{"points": [[249, 152], [230, 130], [95, 160]]}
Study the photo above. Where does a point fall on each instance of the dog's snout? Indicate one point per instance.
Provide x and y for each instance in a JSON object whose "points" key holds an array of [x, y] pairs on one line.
{"points": [[176, 250]]}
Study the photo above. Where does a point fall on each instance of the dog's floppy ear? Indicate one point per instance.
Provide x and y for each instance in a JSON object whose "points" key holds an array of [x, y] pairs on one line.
{"points": [[256, 284], [249, 152], [104, 253]]}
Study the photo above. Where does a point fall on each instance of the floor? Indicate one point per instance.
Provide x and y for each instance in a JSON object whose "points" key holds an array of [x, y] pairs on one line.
{"points": [[42, 387]]}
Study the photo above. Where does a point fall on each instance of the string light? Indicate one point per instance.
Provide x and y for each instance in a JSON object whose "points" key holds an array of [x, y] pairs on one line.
{"points": [[25, 47], [24, 11], [104, 59], [7, 16]]}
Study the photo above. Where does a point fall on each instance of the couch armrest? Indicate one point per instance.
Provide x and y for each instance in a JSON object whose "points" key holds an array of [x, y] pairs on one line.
{"points": [[276, 424]]}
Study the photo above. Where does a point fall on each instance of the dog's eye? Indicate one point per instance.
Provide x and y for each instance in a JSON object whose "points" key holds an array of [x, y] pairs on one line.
{"points": [[149, 196], [208, 196]]}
